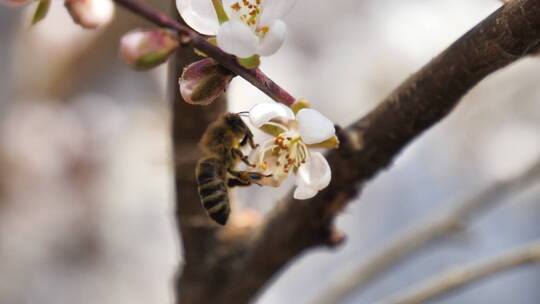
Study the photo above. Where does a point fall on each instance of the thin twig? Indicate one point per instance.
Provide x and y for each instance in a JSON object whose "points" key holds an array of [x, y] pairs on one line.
{"points": [[412, 239], [461, 276], [255, 76]]}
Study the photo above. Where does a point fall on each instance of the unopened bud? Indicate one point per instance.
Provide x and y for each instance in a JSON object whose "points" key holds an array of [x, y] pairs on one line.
{"points": [[90, 13], [146, 49], [204, 81], [16, 2]]}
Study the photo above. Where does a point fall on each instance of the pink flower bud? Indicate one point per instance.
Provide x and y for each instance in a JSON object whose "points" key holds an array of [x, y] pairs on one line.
{"points": [[16, 2], [145, 49], [204, 81], [90, 13]]}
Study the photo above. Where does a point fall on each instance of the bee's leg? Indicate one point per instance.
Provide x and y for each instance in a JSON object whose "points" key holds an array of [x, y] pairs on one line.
{"points": [[251, 142], [233, 182], [237, 153], [244, 140], [248, 139], [246, 176]]}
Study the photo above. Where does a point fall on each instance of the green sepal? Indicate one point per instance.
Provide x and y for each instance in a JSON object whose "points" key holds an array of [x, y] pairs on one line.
{"points": [[330, 143], [271, 130], [252, 62], [220, 11], [200, 53], [300, 104], [41, 11], [212, 40], [152, 60]]}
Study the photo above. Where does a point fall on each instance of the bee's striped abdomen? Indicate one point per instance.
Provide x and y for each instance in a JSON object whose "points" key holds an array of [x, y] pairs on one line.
{"points": [[212, 189]]}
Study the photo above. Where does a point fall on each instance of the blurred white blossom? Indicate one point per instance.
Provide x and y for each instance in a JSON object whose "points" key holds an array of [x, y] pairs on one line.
{"points": [[91, 13], [253, 27]]}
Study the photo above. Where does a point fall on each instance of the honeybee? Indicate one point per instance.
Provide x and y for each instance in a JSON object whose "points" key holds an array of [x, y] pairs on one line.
{"points": [[215, 172]]}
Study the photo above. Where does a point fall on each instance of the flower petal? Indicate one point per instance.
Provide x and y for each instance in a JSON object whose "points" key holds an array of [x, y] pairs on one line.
{"points": [[200, 15], [314, 127], [303, 192], [273, 40], [331, 143], [238, 39], [275, 9], [264, 112], [316, 173]]}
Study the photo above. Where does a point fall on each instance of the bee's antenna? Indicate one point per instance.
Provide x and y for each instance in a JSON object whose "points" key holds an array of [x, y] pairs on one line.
{"points": [[243, 113]]}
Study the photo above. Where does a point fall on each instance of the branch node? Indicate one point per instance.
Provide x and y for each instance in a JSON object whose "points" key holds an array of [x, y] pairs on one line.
{"points": [[336, 238]]}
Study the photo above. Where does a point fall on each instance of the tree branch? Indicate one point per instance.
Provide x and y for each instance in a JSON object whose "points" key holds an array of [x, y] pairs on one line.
{"points": [[196, 230], [254, 76], [461, 276], [219, 271], [370, 145], [442, 222]]}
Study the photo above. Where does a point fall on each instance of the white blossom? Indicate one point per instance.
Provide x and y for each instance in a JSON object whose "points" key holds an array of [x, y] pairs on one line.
{"points": [[254, 27], [291, 149]]}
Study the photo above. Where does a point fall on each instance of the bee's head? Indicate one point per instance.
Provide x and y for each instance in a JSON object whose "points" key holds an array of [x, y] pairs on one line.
{"points": [[235, 123]]}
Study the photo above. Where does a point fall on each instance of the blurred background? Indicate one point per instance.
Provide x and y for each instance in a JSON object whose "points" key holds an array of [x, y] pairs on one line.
{"points": [[86, 189]]}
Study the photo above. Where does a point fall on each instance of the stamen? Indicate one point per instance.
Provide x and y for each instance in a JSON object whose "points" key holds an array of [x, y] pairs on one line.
{"points": [[263, 152], [236, 6], [284, 152], [267, 146], [249, 12]]}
